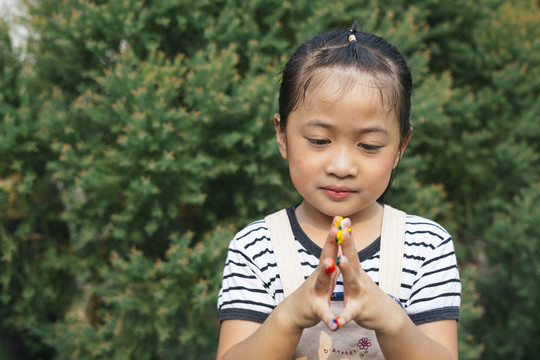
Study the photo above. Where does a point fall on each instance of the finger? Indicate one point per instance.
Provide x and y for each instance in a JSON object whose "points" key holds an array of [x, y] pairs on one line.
{"points": [[343, 226], [330, 247], [329, 265], [339, 255], [351, 286], [326, 276], [325, 314], [337, 322], [350, 275], [348, 246], [342, 319]]}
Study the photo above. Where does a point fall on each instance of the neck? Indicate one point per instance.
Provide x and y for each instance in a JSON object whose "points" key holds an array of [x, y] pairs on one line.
{"points": [[366, 225]]}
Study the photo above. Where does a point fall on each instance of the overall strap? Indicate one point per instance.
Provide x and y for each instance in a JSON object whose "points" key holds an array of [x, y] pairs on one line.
{"points": [[391, 253], [392, 246], [287, 258]]}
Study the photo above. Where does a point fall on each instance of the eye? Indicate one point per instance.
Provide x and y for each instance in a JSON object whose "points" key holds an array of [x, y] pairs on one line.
{"points": [[319, 142], [369, 148]]}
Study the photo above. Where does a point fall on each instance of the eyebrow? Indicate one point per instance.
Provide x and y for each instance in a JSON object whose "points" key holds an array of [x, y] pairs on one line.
{"points": [[323, 124]]}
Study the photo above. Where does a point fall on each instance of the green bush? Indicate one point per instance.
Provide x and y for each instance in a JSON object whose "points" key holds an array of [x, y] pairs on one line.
{"points": [[510, 325]]}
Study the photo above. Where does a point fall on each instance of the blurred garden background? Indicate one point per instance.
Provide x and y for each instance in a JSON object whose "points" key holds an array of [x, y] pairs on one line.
{"points": [[136, 137]]}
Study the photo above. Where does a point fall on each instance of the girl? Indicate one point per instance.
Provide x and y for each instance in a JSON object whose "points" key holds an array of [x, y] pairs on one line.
{"points": [[343, 125]]}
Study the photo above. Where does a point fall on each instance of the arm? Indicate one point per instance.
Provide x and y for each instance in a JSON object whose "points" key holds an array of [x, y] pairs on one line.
{"points": [[241, 339], [435, 340], [398, 336]]}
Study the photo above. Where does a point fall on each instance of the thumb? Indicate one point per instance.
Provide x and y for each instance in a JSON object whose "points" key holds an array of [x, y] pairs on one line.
{"points": [[327, 317], [337, 322]]}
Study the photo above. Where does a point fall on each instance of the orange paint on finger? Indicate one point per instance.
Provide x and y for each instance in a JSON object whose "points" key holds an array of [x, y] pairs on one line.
{"points": [[336, 323]]}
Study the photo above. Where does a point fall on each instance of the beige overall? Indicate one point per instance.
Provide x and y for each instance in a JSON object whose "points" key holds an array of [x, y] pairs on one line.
{"points": [[350, 341]]}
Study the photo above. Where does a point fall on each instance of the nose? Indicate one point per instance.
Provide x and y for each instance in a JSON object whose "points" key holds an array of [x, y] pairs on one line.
{"points": [[341, 163]]}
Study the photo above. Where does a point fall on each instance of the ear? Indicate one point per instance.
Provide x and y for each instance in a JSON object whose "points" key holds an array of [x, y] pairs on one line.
{"points": [[401, 151], [281, 136]]}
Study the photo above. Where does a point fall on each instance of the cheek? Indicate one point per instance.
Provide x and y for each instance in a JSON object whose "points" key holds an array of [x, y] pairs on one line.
{"points": [[298, 155], [300, 164], [304, 168], [381, 172]]}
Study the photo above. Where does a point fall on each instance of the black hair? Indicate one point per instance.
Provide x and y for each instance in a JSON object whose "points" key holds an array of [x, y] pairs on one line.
{"points": [[364, 52]]}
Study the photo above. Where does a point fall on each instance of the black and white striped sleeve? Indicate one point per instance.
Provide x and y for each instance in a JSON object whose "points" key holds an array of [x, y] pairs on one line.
{"points": [[435, 293], [248, 286]]}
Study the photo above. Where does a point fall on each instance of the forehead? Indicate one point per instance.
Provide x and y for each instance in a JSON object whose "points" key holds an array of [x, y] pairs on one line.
{"points": [[339, 103], [330, 86]]}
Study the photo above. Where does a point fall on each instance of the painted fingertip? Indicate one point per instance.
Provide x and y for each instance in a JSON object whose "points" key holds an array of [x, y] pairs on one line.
{"points": [[330, 265], [339, 236], [338, 221], [338, 260], [339, 321], [333, 325]]}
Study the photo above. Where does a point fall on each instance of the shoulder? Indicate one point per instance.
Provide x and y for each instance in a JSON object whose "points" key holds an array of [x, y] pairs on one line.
{"points": [[427, 243], [431, 285], [426, 231], [249, 276], [251, 236], [255, 237], [252, 246], [256, 228]]}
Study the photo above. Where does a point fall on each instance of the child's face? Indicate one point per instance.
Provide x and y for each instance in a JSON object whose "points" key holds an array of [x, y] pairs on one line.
{"points": [[341, 147]]}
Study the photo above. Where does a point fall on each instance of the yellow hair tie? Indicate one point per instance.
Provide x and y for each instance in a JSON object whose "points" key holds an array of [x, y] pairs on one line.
{"points": [[352, 38]]}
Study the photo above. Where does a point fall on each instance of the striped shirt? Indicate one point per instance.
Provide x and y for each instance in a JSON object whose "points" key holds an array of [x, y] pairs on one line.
{"points": [[430, 285]]}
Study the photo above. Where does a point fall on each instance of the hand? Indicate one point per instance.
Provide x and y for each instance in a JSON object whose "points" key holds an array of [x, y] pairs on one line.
{"points": [[310, 303], [364, 301]]}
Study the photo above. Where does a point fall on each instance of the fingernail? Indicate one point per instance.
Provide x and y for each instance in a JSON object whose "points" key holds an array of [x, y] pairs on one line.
{"points": [[338, 260], [339, 321], [338, 221], [346, 225], [330, 265], [334, 325]]}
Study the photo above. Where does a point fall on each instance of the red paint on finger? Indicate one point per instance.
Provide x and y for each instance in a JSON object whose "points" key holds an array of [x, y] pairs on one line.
{"points": [[330, 265]]}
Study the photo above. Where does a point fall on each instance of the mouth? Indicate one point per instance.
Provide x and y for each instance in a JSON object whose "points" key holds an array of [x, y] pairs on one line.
{"points": [[338, 192]]}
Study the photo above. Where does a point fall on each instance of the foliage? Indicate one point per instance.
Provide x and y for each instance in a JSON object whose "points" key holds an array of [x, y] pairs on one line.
{"points": [[149, 309], [469, 346], [136, 136], [510, 326]]}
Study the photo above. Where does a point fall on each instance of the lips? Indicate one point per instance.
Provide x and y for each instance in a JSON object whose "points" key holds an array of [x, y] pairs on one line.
{"points": [[338, 192]]}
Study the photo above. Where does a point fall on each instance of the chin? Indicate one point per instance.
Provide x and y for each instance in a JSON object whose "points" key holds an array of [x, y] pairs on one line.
{"points": [[338, 210]]}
